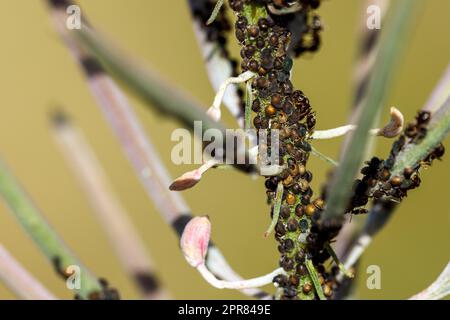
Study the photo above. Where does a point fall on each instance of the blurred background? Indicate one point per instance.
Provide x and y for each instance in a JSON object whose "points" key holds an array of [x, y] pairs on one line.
{"points": [[36, 73]]}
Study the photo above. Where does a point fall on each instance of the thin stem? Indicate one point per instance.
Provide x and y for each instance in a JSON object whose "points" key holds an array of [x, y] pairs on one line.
{"points": [[217, 58], [276, 209], [19, 280], [440, 93], [42, 233], [378, 216], [215, 12], [216, 262], [111, 214], [315, 279], [341, 267], [238, 285], [295, 7], [214, 111], [390, 130], [369, 47], [323, 157], [439, 289]]}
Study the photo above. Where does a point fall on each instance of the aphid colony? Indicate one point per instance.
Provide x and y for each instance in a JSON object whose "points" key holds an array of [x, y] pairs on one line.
{"points": [[378, 183], [304, 25], [279, 106]]}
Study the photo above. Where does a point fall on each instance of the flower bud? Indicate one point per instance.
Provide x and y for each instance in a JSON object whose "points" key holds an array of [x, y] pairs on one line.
{"points": [[195, 239], [186, 181]]}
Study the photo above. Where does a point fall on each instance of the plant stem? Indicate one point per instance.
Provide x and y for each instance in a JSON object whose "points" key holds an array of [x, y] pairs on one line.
{"points": [[42, 233], [315, 279], [390, 50], [112, 215], [19, 280], [276, 209], [415, 153]]}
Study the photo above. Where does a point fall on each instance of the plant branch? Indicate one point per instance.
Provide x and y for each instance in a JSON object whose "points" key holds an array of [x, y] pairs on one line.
{"points": [[390, 49], [112, 215], [43, 234], [19, 280], [439, 289]]}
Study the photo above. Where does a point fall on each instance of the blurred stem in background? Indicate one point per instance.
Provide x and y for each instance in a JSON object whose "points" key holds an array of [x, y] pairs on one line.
{"points": [[44, 235], [112, 215], [19, 280], [391, 47]]}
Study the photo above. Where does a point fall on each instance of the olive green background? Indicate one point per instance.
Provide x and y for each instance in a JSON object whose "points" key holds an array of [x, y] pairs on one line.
{"points": [[36, 73]]}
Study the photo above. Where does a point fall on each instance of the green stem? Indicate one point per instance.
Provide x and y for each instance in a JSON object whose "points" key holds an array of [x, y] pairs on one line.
{"points": [[215, 12], [315, 279], [341, 267], [323, 157], [42, 233], [415, 153], [391, 46]]}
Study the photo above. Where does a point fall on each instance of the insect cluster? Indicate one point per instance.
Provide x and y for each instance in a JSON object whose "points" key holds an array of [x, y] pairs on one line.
{"points": [[304, 25], [277, 105], [378, 183]]}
